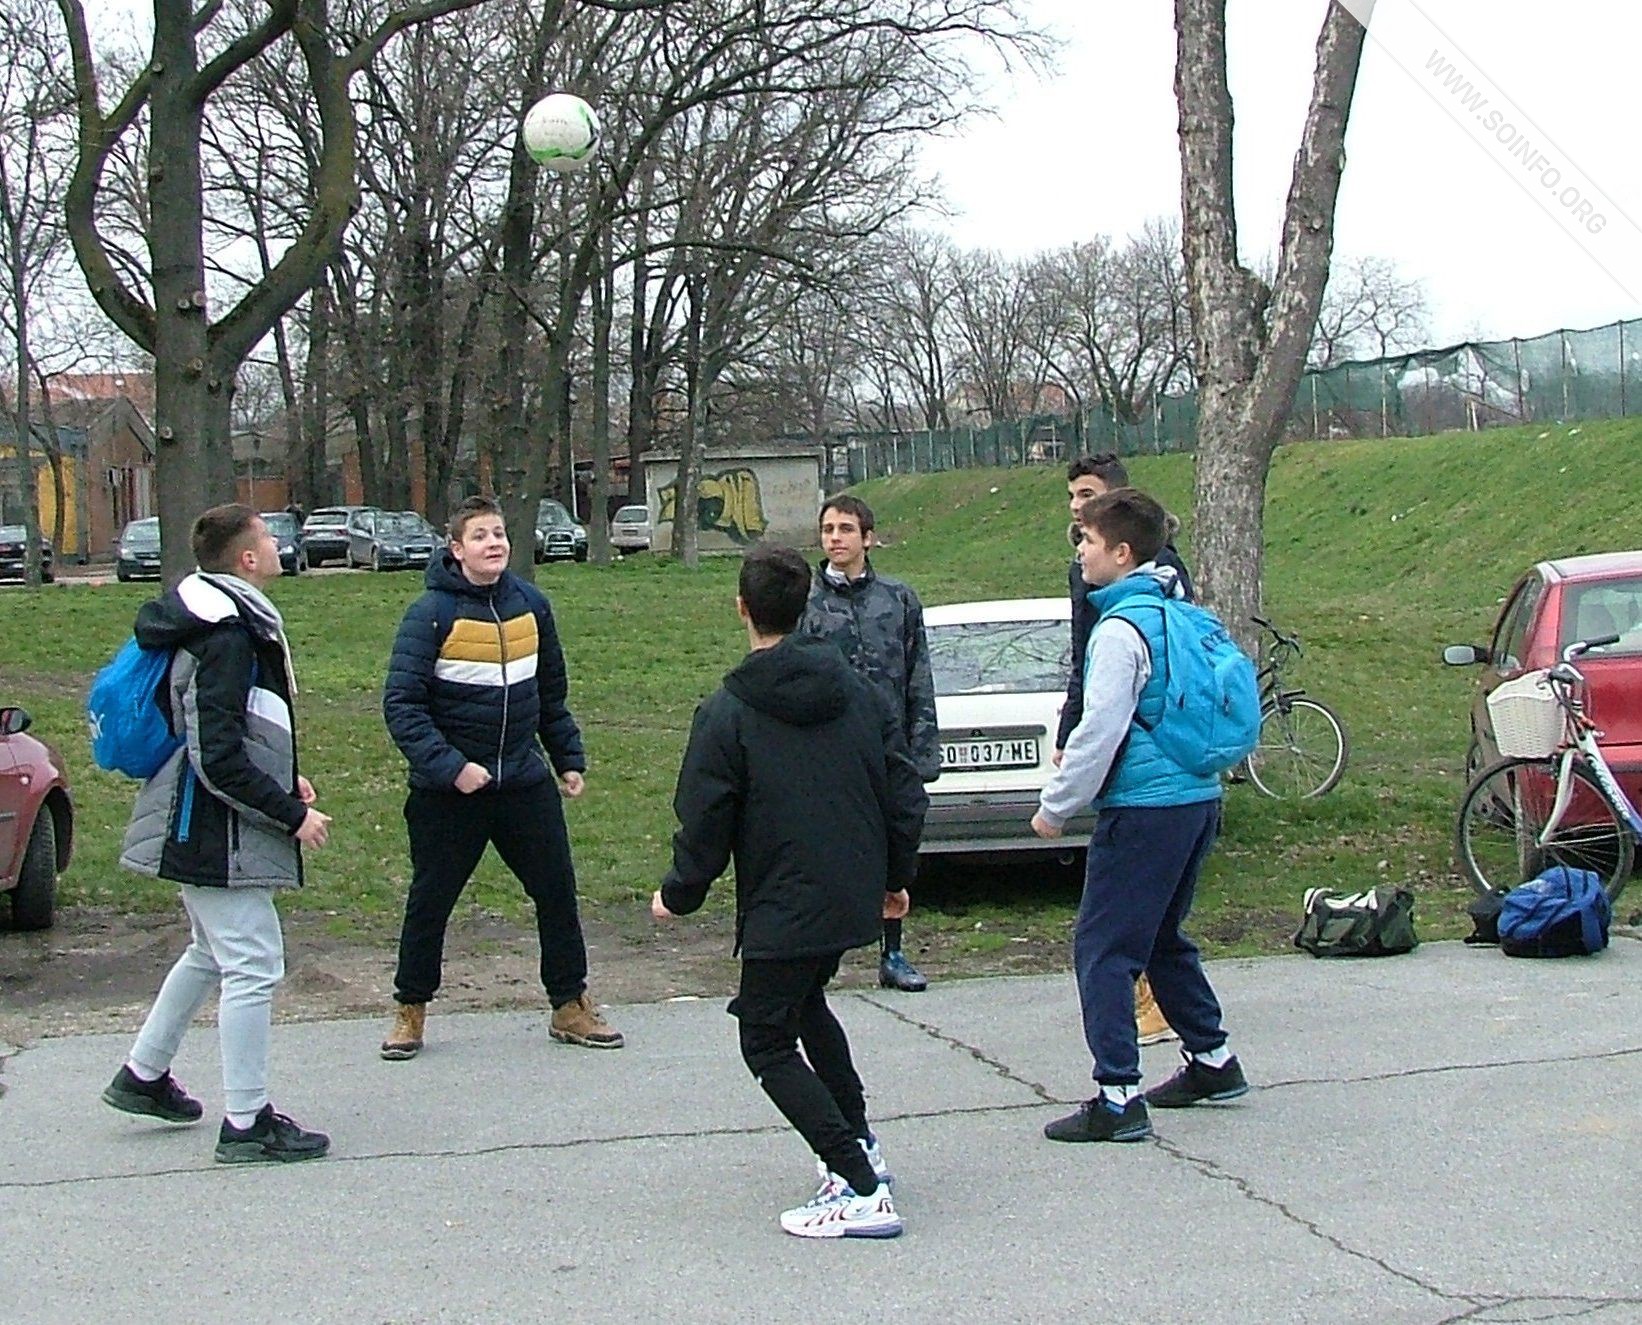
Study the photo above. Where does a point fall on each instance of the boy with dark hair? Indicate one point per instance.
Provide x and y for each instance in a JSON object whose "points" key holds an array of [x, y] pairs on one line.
{"points": [[879, 624], [798, 771], [226, 818], [1157, 822], [1088, 477], [476, 688]]}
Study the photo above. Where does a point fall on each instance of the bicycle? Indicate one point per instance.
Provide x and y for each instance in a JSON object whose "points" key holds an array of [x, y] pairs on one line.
{"points": [[1303, 746], [1553, 799]]}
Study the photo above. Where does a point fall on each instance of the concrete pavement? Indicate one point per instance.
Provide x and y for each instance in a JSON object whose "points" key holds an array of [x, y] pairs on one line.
{"points": [[1450, 1135]]}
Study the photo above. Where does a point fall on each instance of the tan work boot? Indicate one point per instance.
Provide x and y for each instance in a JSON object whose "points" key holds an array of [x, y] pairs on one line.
{"points": [[405, 1039], [580, 1023], [1150, 1023]]}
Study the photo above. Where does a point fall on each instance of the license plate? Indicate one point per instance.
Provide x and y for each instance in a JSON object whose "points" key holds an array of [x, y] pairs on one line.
{"points": [[1015, 752]]}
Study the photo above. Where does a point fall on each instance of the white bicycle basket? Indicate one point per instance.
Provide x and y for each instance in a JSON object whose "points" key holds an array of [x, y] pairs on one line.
{"points": [[1528, 722]]}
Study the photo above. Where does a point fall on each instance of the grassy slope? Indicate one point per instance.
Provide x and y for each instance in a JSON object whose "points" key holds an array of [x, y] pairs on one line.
{"points": [[1379, 553]]}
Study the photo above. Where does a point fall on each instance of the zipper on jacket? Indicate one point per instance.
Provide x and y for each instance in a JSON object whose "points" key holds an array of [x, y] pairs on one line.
{"points": [[233, 833], [185, 819], [501, 739]]}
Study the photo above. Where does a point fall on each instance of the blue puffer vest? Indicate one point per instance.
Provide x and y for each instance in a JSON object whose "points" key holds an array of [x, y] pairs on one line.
{"points": [[1144, 775]]}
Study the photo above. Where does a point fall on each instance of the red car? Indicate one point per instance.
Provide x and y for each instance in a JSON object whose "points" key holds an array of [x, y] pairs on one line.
{"points": [[1554, 605], [36, 822]]}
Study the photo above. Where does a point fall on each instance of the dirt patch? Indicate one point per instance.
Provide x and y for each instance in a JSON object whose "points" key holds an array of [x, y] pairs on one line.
{"points": [[99, 969]]}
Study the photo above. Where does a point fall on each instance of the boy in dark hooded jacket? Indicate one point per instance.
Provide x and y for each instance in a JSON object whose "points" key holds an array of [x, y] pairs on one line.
{"points": [[798, 770]]}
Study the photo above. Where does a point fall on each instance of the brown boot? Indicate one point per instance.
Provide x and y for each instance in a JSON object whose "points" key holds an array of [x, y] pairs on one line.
{"points": [[580, 1023], [405, 1039], [1150, 1023]]}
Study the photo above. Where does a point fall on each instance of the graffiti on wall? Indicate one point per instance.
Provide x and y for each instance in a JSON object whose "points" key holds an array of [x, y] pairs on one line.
{"points": [[729, 502]]}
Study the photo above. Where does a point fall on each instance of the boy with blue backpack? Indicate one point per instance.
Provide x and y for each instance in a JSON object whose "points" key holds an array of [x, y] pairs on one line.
{"points": [[1169, 702]]}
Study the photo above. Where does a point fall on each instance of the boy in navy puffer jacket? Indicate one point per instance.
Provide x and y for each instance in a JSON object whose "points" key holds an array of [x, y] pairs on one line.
{"points": [[476, 688], [1157, 822]]}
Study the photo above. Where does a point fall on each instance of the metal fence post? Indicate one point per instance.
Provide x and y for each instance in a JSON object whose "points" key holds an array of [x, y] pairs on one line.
{"points": [[1622, 403], [1522, 397], [1563, 337]]}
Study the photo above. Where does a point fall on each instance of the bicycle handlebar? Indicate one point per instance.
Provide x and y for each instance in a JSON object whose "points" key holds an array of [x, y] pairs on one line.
{"points": [[1290, 641], [1579, 647]]}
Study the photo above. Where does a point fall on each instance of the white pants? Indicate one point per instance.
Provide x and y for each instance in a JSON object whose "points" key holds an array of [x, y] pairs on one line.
{"points": [[237, 944]]}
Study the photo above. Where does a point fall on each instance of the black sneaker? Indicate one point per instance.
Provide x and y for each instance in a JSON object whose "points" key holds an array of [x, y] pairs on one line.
{"points": [[1095, 1120], [272, 1138], [1198, 1083], [896, 972], [162, 1098]]}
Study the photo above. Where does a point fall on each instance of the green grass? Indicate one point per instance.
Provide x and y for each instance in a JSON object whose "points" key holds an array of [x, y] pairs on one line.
{"points": [[1378, 552]]}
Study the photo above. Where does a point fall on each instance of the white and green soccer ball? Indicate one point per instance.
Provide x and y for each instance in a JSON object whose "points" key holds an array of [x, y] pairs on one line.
{"points": [[561, 132]]}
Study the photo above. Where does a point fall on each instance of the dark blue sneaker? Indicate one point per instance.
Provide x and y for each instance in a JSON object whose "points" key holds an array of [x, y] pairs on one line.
{"points": [[1096, 1120], [272, 1138], [896, 972], [1198, 1083], [162, 1098]]}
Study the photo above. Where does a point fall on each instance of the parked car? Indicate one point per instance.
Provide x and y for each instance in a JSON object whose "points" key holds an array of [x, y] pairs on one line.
{"points": [[325, 533], [558, 536], [137, 554], [630, 529], [1000, 679], [389, 540], [288, 535], [13, 544], [36, 822], [1555, 604]]}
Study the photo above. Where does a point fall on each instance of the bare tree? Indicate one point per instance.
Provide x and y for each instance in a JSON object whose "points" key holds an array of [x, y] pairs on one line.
{"points": [[165, 311], [1370, 310], [34, 94], [1250, 339]]}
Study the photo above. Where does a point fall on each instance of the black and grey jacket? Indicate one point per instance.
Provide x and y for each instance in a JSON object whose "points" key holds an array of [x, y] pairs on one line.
{"points": [[222, 811], [879, 624]]}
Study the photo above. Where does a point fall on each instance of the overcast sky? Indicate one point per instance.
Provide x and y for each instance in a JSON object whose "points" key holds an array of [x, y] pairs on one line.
{"points": [[1502, 241]]}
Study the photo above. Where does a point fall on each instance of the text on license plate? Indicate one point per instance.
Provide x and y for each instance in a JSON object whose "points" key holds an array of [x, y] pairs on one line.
{"points": [[1016, 752]]}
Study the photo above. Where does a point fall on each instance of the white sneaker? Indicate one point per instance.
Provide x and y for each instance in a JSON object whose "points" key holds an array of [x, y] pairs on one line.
{"points": [[832, 1184], [845, 1215]]}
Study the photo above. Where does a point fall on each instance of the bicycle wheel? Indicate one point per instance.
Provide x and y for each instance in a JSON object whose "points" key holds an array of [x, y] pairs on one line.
{"points": [[1302, 750], [1502, 818]]}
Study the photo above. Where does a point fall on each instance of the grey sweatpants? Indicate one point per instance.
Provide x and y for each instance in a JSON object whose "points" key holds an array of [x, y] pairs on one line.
{"points": [[237, 944]]}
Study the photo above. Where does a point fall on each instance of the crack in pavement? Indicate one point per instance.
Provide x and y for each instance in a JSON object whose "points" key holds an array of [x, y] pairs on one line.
{"points": [[952, 1041], [1580, 1307], [1439, 1069]]}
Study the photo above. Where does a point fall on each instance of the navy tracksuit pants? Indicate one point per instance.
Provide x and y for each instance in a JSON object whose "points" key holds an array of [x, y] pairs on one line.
{"points": [[1137, 891]]}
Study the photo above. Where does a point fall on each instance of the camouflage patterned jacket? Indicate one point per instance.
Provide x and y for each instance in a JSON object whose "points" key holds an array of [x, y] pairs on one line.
{"points": [[879, 624]]}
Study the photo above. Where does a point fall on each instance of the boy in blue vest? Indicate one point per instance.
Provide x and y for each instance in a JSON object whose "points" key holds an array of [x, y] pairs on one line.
{"points": [[1156, 825]]}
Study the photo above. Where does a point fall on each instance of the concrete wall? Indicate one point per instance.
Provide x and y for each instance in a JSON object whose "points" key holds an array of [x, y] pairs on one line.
{"points": [[747, 495]]}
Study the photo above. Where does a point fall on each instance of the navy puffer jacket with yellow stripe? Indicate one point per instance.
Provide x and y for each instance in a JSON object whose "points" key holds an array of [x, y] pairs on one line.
{"points": [[477, 676]]}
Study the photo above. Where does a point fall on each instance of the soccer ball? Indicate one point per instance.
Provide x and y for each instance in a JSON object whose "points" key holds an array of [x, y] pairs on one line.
{"points": [[561, 132]]}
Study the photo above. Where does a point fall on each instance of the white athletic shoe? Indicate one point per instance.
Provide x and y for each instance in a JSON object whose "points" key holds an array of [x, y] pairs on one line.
{"points": [[832, 1184], [845, 1215]]}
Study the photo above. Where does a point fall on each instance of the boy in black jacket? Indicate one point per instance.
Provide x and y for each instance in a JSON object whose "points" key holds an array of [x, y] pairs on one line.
{"points": [[476, 688], [797, 769]]}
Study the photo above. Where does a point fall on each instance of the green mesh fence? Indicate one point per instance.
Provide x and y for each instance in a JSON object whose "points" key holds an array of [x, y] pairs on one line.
{"points": [[1564, 375]]}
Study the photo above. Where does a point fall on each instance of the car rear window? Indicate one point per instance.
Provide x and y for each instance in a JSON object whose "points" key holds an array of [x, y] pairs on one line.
{"points": [[324, 519], [1000, 657], [632, 513], [1604, 607]]}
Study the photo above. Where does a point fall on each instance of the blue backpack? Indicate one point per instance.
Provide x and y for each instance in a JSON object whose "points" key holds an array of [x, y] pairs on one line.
{"points": [[129, 731], [1211, 693], [1562, 913]]}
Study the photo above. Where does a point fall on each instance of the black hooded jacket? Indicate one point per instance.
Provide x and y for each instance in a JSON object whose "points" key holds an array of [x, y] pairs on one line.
{"points": [[798, 770]]}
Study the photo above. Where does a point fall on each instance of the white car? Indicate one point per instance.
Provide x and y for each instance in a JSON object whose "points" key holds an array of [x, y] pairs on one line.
{"points": [[1000, 680]]}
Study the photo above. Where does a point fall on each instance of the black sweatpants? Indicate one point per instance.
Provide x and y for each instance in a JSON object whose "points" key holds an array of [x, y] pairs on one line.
{"points": [[783, 1003], [448, 835]]}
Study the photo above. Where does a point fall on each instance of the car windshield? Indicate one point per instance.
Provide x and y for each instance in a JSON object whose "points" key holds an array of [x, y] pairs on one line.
{"points": [[632, 514], [400, 522], [323, 518], [281, 524], [1000, 657], [1597, 608], [550, 514], [12, 533], [142, 533]]}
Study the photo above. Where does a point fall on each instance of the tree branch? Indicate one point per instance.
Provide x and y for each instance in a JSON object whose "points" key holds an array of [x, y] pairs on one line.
{"points": [[242, 50]]}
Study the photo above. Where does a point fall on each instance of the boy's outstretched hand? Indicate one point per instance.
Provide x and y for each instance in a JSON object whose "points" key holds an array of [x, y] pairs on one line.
{"points": [[896, 905], [658, 908], [1042, 827]]}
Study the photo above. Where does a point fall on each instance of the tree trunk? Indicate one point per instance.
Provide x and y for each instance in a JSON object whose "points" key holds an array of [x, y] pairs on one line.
{"points": [[311, 470], [598, 518], [1250, 342], [693, 440]]}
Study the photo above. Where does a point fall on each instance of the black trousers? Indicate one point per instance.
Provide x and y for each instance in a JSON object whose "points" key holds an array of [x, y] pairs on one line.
{"points": [[783, 1003], [448, 835]]}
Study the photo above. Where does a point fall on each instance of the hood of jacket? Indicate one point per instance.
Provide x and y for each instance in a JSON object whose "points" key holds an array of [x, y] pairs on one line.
{"points": [[803, 681], [444, 573], [1150, 578], [201, 602]]}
